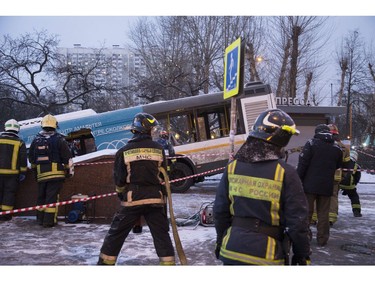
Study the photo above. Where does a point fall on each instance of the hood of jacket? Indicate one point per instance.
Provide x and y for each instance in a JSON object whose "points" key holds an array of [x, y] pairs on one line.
{"points": [[326, 137], [256, 150]]}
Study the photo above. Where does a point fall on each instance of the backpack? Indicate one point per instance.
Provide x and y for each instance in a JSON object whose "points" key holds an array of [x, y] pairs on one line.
{"points": [[42, 150]]}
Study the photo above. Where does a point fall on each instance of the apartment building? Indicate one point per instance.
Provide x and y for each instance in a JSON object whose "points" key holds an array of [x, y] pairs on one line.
{"points": [[116, 65]]}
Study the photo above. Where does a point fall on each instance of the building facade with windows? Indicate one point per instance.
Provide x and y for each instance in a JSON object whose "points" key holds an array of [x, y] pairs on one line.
{"points": [[114, 66]]}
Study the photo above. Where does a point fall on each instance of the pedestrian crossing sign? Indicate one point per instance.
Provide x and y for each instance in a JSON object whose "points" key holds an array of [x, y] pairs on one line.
{"points": [[232, 69]]}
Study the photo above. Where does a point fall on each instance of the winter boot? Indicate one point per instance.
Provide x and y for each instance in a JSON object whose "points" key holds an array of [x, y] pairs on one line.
{"points": [[357, 213], [137, 229], [40, 217], [101, 261]]}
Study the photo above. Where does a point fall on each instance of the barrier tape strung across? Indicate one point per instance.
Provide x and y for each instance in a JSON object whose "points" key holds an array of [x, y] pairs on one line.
{"points": [[93, 197], [114, 193], [56, 204], [174, 157]]}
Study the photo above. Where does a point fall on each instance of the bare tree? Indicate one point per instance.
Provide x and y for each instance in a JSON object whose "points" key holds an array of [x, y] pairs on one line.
{"points": [[297, 41], [33, 73], [354, 80], [162, 45]]}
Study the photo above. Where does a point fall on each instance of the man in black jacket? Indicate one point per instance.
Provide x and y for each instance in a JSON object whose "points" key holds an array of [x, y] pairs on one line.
{"points": [[318, 161], [138, 185], [259, 197]]}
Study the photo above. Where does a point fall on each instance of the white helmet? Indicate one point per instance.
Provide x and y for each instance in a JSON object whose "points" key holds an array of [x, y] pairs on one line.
{"points": [[12, 125]]}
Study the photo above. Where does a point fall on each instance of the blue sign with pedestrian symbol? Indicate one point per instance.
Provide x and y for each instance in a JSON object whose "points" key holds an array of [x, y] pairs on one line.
{"points": [[232, 69]]}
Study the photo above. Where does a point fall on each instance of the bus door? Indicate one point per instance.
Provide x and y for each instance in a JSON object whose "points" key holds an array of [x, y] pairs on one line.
{"points": [[213, 124], [81, 142]]}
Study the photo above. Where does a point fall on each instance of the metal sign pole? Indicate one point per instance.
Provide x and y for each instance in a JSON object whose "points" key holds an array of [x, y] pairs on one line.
{"points": [[233, 84], [233, 125]]}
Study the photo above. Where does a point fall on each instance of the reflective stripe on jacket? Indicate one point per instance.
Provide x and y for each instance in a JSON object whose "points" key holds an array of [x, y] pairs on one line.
{"points": [[136, 172], [61, 155], [351, 177], [271, 192], [259, 197], [13, 155]]}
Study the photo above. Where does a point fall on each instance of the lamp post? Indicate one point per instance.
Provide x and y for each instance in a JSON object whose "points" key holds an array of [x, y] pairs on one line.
{"points": [[347, 129]]}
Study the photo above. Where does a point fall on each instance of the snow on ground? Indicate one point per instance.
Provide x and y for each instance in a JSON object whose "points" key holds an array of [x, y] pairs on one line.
{"points": [[23, 242]]}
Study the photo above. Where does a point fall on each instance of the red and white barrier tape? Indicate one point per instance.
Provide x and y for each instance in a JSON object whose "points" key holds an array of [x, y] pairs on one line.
{"points": [[114, 193], [56, 204], [92, 197]]}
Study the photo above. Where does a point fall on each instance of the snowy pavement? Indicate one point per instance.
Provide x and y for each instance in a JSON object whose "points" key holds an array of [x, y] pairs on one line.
{"points": [[23, 242]]}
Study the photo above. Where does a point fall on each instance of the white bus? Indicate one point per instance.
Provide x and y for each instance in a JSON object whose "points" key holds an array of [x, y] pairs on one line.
{"points": [[198, 127]]}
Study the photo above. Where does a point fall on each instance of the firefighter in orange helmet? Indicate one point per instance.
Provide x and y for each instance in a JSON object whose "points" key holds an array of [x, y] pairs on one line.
{"points": [[51, 159]]}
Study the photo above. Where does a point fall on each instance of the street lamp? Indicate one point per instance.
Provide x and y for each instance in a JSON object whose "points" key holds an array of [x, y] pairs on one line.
{"points": [[348, 110]]}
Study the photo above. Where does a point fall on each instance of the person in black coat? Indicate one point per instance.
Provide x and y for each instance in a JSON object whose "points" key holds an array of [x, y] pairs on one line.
{"points": [[318, 161]]}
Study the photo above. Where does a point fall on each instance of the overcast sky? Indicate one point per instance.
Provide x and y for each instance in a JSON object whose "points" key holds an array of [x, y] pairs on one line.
{"points": [[95, 23], [93, 31]]}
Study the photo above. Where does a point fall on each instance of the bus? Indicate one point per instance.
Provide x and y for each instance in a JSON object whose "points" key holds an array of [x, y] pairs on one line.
{"points": [[198, 127]]}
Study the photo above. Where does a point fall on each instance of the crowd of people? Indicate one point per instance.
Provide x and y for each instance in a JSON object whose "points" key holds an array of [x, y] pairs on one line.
{"points": [[264, 207]]}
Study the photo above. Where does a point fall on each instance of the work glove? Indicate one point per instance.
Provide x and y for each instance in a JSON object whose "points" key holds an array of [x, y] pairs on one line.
{"points": [[217, 250], [297, 260], [120, 195], [22, 177]]}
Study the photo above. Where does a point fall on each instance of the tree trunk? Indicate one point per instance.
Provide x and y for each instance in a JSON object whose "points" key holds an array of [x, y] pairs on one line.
{"points": [[282, 75], [371, 72], [294, 62], [344, 68], [309, 77], [254, 76]]}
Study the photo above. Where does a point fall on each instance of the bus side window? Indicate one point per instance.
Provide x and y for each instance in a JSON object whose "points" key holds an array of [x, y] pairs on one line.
{"points": [[213, 124], [181, 126], [90, 145]]}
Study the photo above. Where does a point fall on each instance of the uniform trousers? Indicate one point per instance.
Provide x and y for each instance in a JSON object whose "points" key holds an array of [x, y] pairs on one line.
{"points": [[8, 189], [124, 220], [322, 207], [48, 193]]}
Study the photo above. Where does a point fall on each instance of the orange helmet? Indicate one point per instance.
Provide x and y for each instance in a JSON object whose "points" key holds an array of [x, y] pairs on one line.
{"points": [[333, 129]]}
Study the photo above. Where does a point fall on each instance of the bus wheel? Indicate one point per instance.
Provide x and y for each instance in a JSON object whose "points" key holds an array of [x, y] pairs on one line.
{"points": [[180, 170]]}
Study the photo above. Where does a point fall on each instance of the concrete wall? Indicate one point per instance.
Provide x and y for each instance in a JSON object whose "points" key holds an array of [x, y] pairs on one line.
{"points": [[91, 180]]}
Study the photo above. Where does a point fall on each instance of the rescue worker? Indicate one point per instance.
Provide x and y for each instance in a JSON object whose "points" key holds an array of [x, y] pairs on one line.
{"points": [[51, 159], [317, 163], [167, 145], [13, 166], [138, 184], [163, 139], [259, 197], [334, 204], [350, 179]]}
